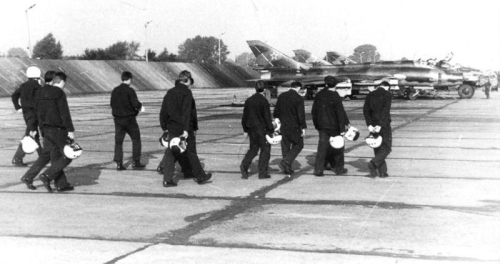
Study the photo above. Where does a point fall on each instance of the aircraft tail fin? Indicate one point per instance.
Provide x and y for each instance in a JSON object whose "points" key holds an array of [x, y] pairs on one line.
{"points": [[271, 58], [307, 57]]}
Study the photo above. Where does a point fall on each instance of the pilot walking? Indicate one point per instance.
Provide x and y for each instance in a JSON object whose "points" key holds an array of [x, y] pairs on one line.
{"points": [[291, 113], [377, 112], [256, 123], [335, 158], [27, 93], [329, 119], [34, 170], [178, 117], [125, 106], [56, 125]]}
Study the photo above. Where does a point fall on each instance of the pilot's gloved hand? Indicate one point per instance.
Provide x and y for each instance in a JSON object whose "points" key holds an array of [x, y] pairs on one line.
{"points": [[377, 129], [33, 133], [303, 132], [20, 110], [71, 135], [371, 129], [184, 134]]}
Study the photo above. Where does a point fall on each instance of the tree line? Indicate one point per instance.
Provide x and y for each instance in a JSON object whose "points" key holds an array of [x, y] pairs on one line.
{"points": [[198, 49]]}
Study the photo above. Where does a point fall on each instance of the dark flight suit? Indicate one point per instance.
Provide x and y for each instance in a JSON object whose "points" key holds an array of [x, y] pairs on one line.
{"points": [[329, 119], [256, 121], [377, 112], [178, 114], [55, 122], [337, 163], [27, 93], [291, 113], [125, 107], [182, 158]]}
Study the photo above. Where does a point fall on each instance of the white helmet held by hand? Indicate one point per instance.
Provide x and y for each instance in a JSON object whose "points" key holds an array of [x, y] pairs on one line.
{"points": [[164, 140], [72, 150], [337, 142], [374, 140], [29, 144], [274, 138], [178, 145], [352, 134]]}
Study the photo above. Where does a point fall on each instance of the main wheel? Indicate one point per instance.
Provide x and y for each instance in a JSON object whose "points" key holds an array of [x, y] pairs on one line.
{"points": [[465, 91], [410, 94]]}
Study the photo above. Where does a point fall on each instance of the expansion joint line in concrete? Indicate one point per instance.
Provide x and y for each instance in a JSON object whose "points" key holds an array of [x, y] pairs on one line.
{"points": [[130, 253]]}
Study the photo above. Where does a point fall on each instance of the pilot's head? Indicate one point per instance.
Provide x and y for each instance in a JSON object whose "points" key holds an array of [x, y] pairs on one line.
{"points": [[260, 86], [127, 77], [330, 81], [296, 86], [186, 78], [385, 85]]}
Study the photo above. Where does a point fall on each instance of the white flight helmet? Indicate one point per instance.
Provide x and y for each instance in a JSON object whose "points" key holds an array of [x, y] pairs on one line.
{"points": [[164, 140], [274, 139], [337, 142], [352, 134], [373, 140], [29, 145], [178, 145], [276, 124], [72, 150], [33, 72]]}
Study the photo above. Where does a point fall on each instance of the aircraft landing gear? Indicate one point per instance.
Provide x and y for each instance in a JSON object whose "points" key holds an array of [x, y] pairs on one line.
{"points": [[465, 91], [410, 93]]}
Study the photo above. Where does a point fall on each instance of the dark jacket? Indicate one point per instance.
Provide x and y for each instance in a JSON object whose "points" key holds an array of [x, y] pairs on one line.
{"points": [[178, 110], [328, 112], [257, 115], [377, 108], [124, 101], [52, 109], [27, 92], [290, 110]]}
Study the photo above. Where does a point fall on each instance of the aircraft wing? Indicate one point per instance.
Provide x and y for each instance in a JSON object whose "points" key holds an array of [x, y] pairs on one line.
{"points": [[318, 80]]}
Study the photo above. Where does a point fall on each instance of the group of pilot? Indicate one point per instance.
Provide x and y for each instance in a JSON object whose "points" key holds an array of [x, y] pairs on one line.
{"points": [[46, 113]]}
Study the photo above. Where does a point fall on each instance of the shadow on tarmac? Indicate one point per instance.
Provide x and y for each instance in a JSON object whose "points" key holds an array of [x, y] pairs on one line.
{"points": [[85, 175]]}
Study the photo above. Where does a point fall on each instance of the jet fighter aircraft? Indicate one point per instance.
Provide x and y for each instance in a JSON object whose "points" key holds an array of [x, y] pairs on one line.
{"points": [[277, 68]]}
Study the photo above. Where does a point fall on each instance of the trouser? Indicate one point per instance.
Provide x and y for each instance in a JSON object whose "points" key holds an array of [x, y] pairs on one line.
{"points": [[183, 159], [383, 151], [127, 125], [30, 120], [53, 151], [292, 144], [258, 141], [326, 153], [335, 157], [487, 89], [183, 162], [193, 162]]}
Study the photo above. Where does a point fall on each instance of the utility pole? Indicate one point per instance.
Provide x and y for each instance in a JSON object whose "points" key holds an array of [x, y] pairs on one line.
{"points": [[29, 35], [146, 34]]}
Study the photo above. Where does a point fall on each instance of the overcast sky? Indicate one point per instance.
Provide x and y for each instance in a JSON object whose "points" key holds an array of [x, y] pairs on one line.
{"points": [[413, 29]]}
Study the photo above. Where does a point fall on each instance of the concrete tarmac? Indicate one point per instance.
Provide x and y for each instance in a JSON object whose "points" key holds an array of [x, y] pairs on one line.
{"points": [[441, 203]]}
